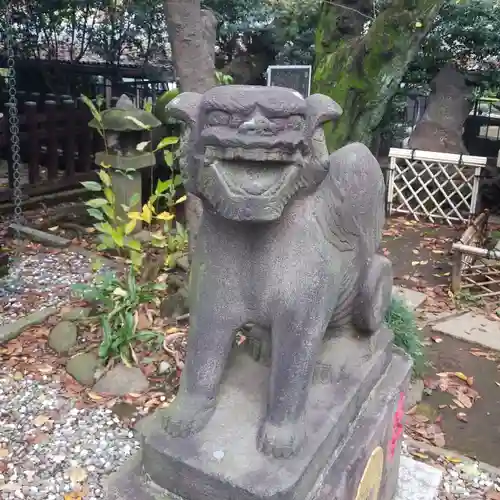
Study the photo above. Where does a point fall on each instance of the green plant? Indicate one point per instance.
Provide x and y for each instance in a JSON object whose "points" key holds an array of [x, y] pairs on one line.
{"points": [[223, 79], [402, 322], [119, 301], [116, 228]]}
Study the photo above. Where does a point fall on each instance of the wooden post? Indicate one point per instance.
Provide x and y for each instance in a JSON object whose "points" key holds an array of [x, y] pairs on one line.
{"points": [[69, 150], [33, 142], [52, 146], [85, 137], [456, 272]]}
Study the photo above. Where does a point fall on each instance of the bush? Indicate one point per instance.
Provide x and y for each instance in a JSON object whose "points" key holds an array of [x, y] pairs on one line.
{"points": [[402, 322]]}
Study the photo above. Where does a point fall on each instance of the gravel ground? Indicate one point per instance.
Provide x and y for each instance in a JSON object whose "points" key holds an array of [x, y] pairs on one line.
{"points": [[461, 480], [49, 448], [41, 279]]}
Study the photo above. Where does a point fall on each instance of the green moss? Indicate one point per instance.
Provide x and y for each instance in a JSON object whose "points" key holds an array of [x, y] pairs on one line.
{"points": [[362, 73], [401, 321]]}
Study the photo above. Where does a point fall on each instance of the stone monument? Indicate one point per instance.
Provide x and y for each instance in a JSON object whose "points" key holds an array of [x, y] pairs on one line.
{"points": [[441, 127], [287, 243], [124, 127]]}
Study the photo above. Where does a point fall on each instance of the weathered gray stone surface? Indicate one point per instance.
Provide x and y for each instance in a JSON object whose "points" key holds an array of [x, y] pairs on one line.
{"points": [[77, 313], [222, 461], [415, 393], [122, 380], [418, 481], [473, 328], [287, 241], [82, 367], [413, 298], [448, 106], [14, 329], [52, 240], [63, 337]]}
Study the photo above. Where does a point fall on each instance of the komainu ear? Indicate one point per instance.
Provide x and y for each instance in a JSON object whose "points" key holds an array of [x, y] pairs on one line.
{"points": [[184, 107], [321, 109]]}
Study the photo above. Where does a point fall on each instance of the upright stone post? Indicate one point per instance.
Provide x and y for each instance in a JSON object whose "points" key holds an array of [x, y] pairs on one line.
{"points": [[287, 242], [125, 127]]}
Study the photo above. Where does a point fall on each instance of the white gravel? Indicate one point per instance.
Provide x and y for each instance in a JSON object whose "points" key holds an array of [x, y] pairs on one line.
{"points": [[46, 444], [41, 280]]}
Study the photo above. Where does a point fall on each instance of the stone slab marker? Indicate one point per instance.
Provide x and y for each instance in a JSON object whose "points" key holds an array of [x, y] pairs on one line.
{"points": [[287, 250], [441, 127]]}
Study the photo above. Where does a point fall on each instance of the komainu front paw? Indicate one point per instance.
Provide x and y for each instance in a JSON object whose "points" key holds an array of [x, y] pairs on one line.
{"points": [[281, 441], [188, 415]]}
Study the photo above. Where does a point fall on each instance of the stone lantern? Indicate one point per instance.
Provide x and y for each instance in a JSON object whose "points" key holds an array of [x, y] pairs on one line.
{"points": [[125, 127]]}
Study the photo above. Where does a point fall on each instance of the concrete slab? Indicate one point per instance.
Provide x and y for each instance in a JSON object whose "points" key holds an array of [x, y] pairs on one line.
{"points": [[472, 327], [413, 298], [417, 481]]}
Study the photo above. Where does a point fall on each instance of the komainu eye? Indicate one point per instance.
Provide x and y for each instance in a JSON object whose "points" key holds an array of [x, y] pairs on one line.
{"points": [[296, 122], [218, 118]]}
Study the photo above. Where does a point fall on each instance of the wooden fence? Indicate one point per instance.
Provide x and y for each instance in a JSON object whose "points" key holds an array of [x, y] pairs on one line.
{"points": [[433, 186], [57, 146]]}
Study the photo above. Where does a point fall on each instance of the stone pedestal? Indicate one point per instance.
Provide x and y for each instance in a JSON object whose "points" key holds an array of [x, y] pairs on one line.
{"points": [[126, 186], [351, 452]]}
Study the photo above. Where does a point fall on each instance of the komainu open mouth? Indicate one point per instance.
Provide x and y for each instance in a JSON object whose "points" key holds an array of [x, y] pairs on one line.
{"points": [[253, 172], [253, 180]]}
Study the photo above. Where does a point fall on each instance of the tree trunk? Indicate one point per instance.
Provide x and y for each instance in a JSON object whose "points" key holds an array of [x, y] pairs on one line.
{"points": [[363, 72], [192, 36]]}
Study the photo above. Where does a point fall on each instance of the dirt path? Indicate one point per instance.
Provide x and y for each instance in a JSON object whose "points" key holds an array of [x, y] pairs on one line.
{"points": [[479, 437], [421, 261]]}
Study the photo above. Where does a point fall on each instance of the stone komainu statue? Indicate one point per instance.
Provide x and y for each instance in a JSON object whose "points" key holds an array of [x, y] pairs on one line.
{"points": [[287, 241]]}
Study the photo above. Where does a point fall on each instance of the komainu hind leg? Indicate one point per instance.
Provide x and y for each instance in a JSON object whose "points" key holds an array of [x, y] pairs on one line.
{"points": [[374, 295]]}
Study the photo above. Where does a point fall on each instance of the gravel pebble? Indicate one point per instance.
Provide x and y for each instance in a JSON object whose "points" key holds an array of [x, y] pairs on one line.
{"points": [[41, 280], [46, 438], [463, 480]]}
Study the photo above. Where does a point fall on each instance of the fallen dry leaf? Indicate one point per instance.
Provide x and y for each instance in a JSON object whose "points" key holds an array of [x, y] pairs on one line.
{"points": [[94, 396], [462, 417], [41, 420]]}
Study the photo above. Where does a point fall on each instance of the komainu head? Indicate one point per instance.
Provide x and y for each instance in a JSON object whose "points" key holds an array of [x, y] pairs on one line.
{"points": [[251, 149]]}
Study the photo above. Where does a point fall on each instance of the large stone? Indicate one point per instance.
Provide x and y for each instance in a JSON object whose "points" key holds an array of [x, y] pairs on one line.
{"points": [[412, 298], [418, 481], [441, 127], [472, 327], [12, 330], [77, 313], [63, 337], [351, 413], [122, 380], [83, 367]]}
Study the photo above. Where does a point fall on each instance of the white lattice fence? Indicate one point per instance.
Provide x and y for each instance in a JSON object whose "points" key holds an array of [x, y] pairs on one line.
{"points": [[433, 186]]}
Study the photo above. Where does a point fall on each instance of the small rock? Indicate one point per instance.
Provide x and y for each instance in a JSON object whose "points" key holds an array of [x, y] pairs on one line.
{"points": [[174, 305], [63, 337], [165, 367], [414, 394], [122, 380], [77, 313], [183, 263], [82, 367]]}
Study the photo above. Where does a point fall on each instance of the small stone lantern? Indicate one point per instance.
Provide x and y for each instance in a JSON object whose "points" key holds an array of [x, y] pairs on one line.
{"points": [[125, 127]]}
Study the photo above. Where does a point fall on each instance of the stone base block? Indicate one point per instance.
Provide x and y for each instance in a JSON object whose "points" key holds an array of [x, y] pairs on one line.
{"points": [[352, 450]]}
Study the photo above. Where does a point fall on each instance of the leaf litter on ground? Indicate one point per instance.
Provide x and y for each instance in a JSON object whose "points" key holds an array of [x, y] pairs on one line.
{"points": [[422, 424]]}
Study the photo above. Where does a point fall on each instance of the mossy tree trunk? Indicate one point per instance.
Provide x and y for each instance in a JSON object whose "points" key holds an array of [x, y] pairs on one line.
{"points": [[362, 72], [192, 36]]}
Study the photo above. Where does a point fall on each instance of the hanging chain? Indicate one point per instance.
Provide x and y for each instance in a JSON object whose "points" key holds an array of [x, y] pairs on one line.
{"points": [[13, 120]]}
